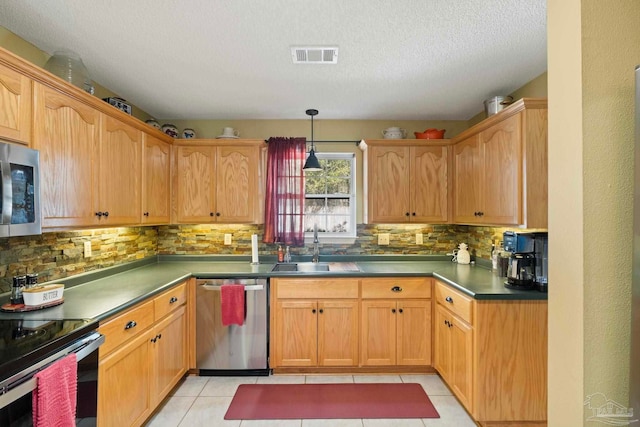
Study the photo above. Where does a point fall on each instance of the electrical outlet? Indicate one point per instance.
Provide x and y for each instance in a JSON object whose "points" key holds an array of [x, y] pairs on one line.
{"points": [[419, 239], [227, 239], [87, 249], [383, 239]]}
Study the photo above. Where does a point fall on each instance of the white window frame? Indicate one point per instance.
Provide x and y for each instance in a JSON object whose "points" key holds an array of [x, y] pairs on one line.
{"points": [[328, 237]]}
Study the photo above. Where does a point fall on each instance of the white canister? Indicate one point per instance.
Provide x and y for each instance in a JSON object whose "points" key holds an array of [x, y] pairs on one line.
{"points": [[463, 254], [394, 133]]}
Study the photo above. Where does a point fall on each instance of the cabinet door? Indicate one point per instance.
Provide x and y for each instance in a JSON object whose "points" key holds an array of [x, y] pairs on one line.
{"points": [[169, 354], [124, 378], [15, 106], [378, 332], [388, 192], [67, 134], [195, 184], [338, 333], [296, 333], [120, 173], [414, 333], [502, 172], [442, 343], [461, 361], [428, 184], [156, 200], [467, 185], [237, 184]]}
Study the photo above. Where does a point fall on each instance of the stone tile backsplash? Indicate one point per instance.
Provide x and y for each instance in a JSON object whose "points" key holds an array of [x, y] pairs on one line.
{"points": [[56, 255]]}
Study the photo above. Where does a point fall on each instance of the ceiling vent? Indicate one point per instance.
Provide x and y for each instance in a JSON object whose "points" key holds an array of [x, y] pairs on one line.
{"points": [[314, 55]]}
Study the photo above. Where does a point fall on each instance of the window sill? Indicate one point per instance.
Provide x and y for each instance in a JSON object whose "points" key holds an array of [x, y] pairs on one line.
{"points": [[346, 240]]}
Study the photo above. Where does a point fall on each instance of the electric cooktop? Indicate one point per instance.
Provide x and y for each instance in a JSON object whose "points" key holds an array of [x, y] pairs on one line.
{"points": [[24, 342]]}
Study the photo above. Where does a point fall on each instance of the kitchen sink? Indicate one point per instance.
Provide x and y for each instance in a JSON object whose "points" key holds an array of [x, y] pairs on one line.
{"points": [[302, 266], [312, 267]]}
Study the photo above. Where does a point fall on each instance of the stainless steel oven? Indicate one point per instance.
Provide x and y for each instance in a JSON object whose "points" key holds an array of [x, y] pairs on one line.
{"points": [[30, 346], [20, 191]]}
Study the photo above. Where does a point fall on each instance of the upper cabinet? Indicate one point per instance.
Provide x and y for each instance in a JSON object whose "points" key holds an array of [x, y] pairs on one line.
{"points": [[500, 168], [156, 181], [218, 181], [406, 181], [15, 106], [119, 174], [67, 133]]}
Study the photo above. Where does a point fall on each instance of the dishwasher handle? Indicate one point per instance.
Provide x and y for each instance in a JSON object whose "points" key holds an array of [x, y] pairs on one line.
{"points": [[246, 287]]}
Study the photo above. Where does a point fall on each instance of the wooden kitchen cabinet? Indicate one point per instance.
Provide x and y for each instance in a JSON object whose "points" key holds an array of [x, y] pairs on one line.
{"points": [[500, 168], [119, 174], [144, 356], [67, 133], [453, 355], [406, 181], [396, 322], [218, 181], [315, 322], [493, 356], [156, 181], [15, 106]]}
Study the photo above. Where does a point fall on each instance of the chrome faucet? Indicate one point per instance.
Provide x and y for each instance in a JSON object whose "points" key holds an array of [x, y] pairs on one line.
{"points": [[316, 249]]}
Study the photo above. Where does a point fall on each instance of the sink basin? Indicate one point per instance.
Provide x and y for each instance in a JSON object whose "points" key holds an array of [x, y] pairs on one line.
{"points": [[302, 266]]}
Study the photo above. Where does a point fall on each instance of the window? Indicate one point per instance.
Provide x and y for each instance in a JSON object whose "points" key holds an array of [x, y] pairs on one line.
{"points": [[330, 196]]}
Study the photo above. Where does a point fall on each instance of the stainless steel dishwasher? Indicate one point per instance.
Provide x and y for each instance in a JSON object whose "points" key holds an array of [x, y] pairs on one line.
{"points": [[232, 350]]}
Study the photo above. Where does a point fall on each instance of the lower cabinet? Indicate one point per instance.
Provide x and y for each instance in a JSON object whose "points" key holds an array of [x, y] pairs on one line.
{"points": [[396, 322], [143, 358], [493, 356], [453, 356], [315, 322]]}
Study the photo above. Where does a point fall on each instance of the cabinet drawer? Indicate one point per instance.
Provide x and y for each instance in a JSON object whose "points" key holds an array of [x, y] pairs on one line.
{"points": [[396, 287], [125, 326], [317, 288], [170, 300], [455, 301]]}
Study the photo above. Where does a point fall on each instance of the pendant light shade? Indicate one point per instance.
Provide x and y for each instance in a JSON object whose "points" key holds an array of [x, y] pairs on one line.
{"points": [[312, 164]]}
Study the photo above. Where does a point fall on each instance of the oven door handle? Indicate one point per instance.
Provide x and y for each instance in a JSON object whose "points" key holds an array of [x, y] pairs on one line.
{"points": [[25, 382]]}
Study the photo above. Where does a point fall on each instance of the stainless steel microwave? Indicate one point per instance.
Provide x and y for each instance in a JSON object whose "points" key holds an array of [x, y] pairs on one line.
{"points": [[20, 197]]}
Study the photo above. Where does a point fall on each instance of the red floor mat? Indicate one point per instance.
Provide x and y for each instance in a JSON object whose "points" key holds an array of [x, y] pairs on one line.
{"points": [[327, 401]]}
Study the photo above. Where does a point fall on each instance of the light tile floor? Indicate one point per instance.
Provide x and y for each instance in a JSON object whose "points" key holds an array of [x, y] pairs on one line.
{"points": [[203, 401]]}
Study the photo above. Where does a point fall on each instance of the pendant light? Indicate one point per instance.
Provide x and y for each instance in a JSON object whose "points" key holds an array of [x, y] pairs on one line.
{"points": [[312, 164]]}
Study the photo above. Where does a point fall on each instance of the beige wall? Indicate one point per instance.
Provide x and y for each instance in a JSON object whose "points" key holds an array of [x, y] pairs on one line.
{"points": [[592, 50], [26, 50]]}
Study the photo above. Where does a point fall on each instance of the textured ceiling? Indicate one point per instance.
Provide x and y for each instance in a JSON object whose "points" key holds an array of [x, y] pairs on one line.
{"points": [[230, 59]]}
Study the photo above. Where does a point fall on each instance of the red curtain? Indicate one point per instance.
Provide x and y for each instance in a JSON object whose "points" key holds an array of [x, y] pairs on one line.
{"points": [[284, 204]]}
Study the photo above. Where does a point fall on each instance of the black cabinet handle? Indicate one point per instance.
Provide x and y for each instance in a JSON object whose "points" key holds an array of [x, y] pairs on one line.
{"points": [[481, 213], [396, 289], [98, 214], [400, 310], [105, 213], [321, 311], [146, 214], [172, 300], [449, 299], [446, 322], [154, 339], [313, 311], [159, 336], [393, 310], [414, 214], [131, 324], [217, 213], [210, 213], [406, 213]]}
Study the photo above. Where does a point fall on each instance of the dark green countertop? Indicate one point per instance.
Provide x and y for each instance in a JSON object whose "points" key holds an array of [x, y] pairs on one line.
{"points": [[101, 294]]}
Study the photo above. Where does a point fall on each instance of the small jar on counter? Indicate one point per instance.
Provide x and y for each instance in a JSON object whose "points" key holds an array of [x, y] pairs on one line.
{"points": [[19, 283], [32, 280]]}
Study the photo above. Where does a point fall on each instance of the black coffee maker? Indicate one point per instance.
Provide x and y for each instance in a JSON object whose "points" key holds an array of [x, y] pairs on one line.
{"points": [[522, 262], [528, 265]]}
